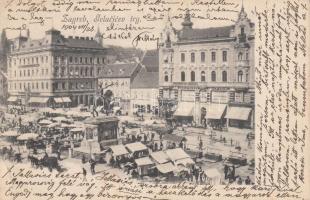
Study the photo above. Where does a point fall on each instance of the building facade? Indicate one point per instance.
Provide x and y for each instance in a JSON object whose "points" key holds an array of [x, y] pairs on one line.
{"points": [[3, 87], [144, 89], [206, 76], [118, 78], [55, 70]]}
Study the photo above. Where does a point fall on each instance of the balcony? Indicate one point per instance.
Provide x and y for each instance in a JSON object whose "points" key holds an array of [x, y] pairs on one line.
{"points": [[211, 84], [242, 63]]}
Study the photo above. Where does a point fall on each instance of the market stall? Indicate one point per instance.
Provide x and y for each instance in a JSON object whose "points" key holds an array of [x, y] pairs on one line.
{"points": [[137, 149], [144, 166]]}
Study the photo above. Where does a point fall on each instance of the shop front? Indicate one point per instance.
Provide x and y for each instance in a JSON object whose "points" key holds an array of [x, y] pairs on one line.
{"points": [[184, 113], [239, 117], [215, 116]]}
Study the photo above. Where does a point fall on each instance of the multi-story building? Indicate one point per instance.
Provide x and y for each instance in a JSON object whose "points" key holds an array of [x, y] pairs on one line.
{"points": [[118, 78], [207, 75], [55, 70], [144, 88], [3, 87]]}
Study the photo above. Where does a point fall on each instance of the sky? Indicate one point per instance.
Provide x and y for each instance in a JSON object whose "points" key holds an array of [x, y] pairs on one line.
{"points": [[73, 22]]}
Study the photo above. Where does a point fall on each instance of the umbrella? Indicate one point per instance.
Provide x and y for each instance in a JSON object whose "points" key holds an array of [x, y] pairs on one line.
{"points": [[27, 136], [45, 121], [10, 134]]}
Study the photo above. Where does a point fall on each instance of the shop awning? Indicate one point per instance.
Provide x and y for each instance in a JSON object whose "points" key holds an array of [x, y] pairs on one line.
{"points": [[239, 113], [62, 99], [160, 157], [134, 147], [166, 168], [144, 161], [215, 111], [119, 150], [38, 100], [177, 154], [185, 109], [12, 99], [66, 99]]}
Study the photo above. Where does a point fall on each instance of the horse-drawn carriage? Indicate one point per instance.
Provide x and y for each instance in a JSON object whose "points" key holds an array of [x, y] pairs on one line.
{"points": [[50, 162]]}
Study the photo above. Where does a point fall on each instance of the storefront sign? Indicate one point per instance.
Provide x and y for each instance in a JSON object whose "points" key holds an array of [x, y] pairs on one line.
{"points": [[219, 97], [188, 95]]}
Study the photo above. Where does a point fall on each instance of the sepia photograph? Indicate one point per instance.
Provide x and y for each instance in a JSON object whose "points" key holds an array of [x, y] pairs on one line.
{"points": [[104, 99]]}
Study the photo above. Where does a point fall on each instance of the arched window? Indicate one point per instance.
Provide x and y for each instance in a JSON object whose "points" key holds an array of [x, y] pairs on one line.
{"points": [[240, 74], [166, 77], [192, 76], [240, 56], [203, 76], [224, 76], [213, 76], [182, 76], [192, 57]]}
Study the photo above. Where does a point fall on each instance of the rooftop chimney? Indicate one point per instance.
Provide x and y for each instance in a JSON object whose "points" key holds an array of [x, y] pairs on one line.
{"points": [[91, 38], [87, 38], [76, 37], [82, 38], [70, 36]]}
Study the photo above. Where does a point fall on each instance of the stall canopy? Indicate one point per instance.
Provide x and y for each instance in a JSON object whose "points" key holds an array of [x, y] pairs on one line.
{"points": [[134, 147], [177, 154], [185, 109], [185, 162], [215, 111], [12, 99], [160, 157], [10, 134], [166, 168], [239, 113], [174, 138], [77, 129], [118, 150], [28, 136], [45, 121], [144, 161], [38, 100]]}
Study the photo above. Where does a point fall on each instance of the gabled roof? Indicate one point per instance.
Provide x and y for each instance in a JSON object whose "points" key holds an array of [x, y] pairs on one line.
{"points": [[145, 79], [151, 60], [207, 33], [123, 70]]}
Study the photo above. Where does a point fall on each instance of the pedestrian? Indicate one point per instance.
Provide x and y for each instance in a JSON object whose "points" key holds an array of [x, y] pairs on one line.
{"points": [[225, 171], [247, 180], [200, 145], [84, 174], [233, 172], [155, 146], [249, 144], [58, 154], [231, 142], [239, 181], [161, 145], [145, 137], [152, 136], [83, 159], [92, 166]]}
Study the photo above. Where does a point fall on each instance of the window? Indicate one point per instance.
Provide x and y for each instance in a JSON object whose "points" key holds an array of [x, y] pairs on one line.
{"points": [[247, 56], [192, 57], [81, 59], [86, 60], [86, 71], [192, 76], [46, 85], [81, 72], [246, 77], [240, 74], [240, 56], [102, 60], [166, 77], [70, 59], [46, 59], [224, 56], [91, 60], [37, 60], [42, 59], [37, 85], [213, 56], [213, 76], [62, 59], [203, 56], [42, 85], [182, 76], [182, 57], [28, 72], [203, 76], [98, 61], [224, 76], [63, 86]]}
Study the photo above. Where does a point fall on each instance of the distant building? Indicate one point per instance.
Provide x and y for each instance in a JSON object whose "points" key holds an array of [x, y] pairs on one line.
{"points": [[118, 78], [55, 70], [3, 87], [206, 76], [144, 88]]}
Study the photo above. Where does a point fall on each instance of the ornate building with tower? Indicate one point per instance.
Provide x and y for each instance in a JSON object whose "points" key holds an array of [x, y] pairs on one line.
{"points": [[206, 76]]}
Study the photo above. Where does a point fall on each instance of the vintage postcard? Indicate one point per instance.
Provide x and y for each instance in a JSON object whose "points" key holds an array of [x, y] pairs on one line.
{"points": [[154, 99]]}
